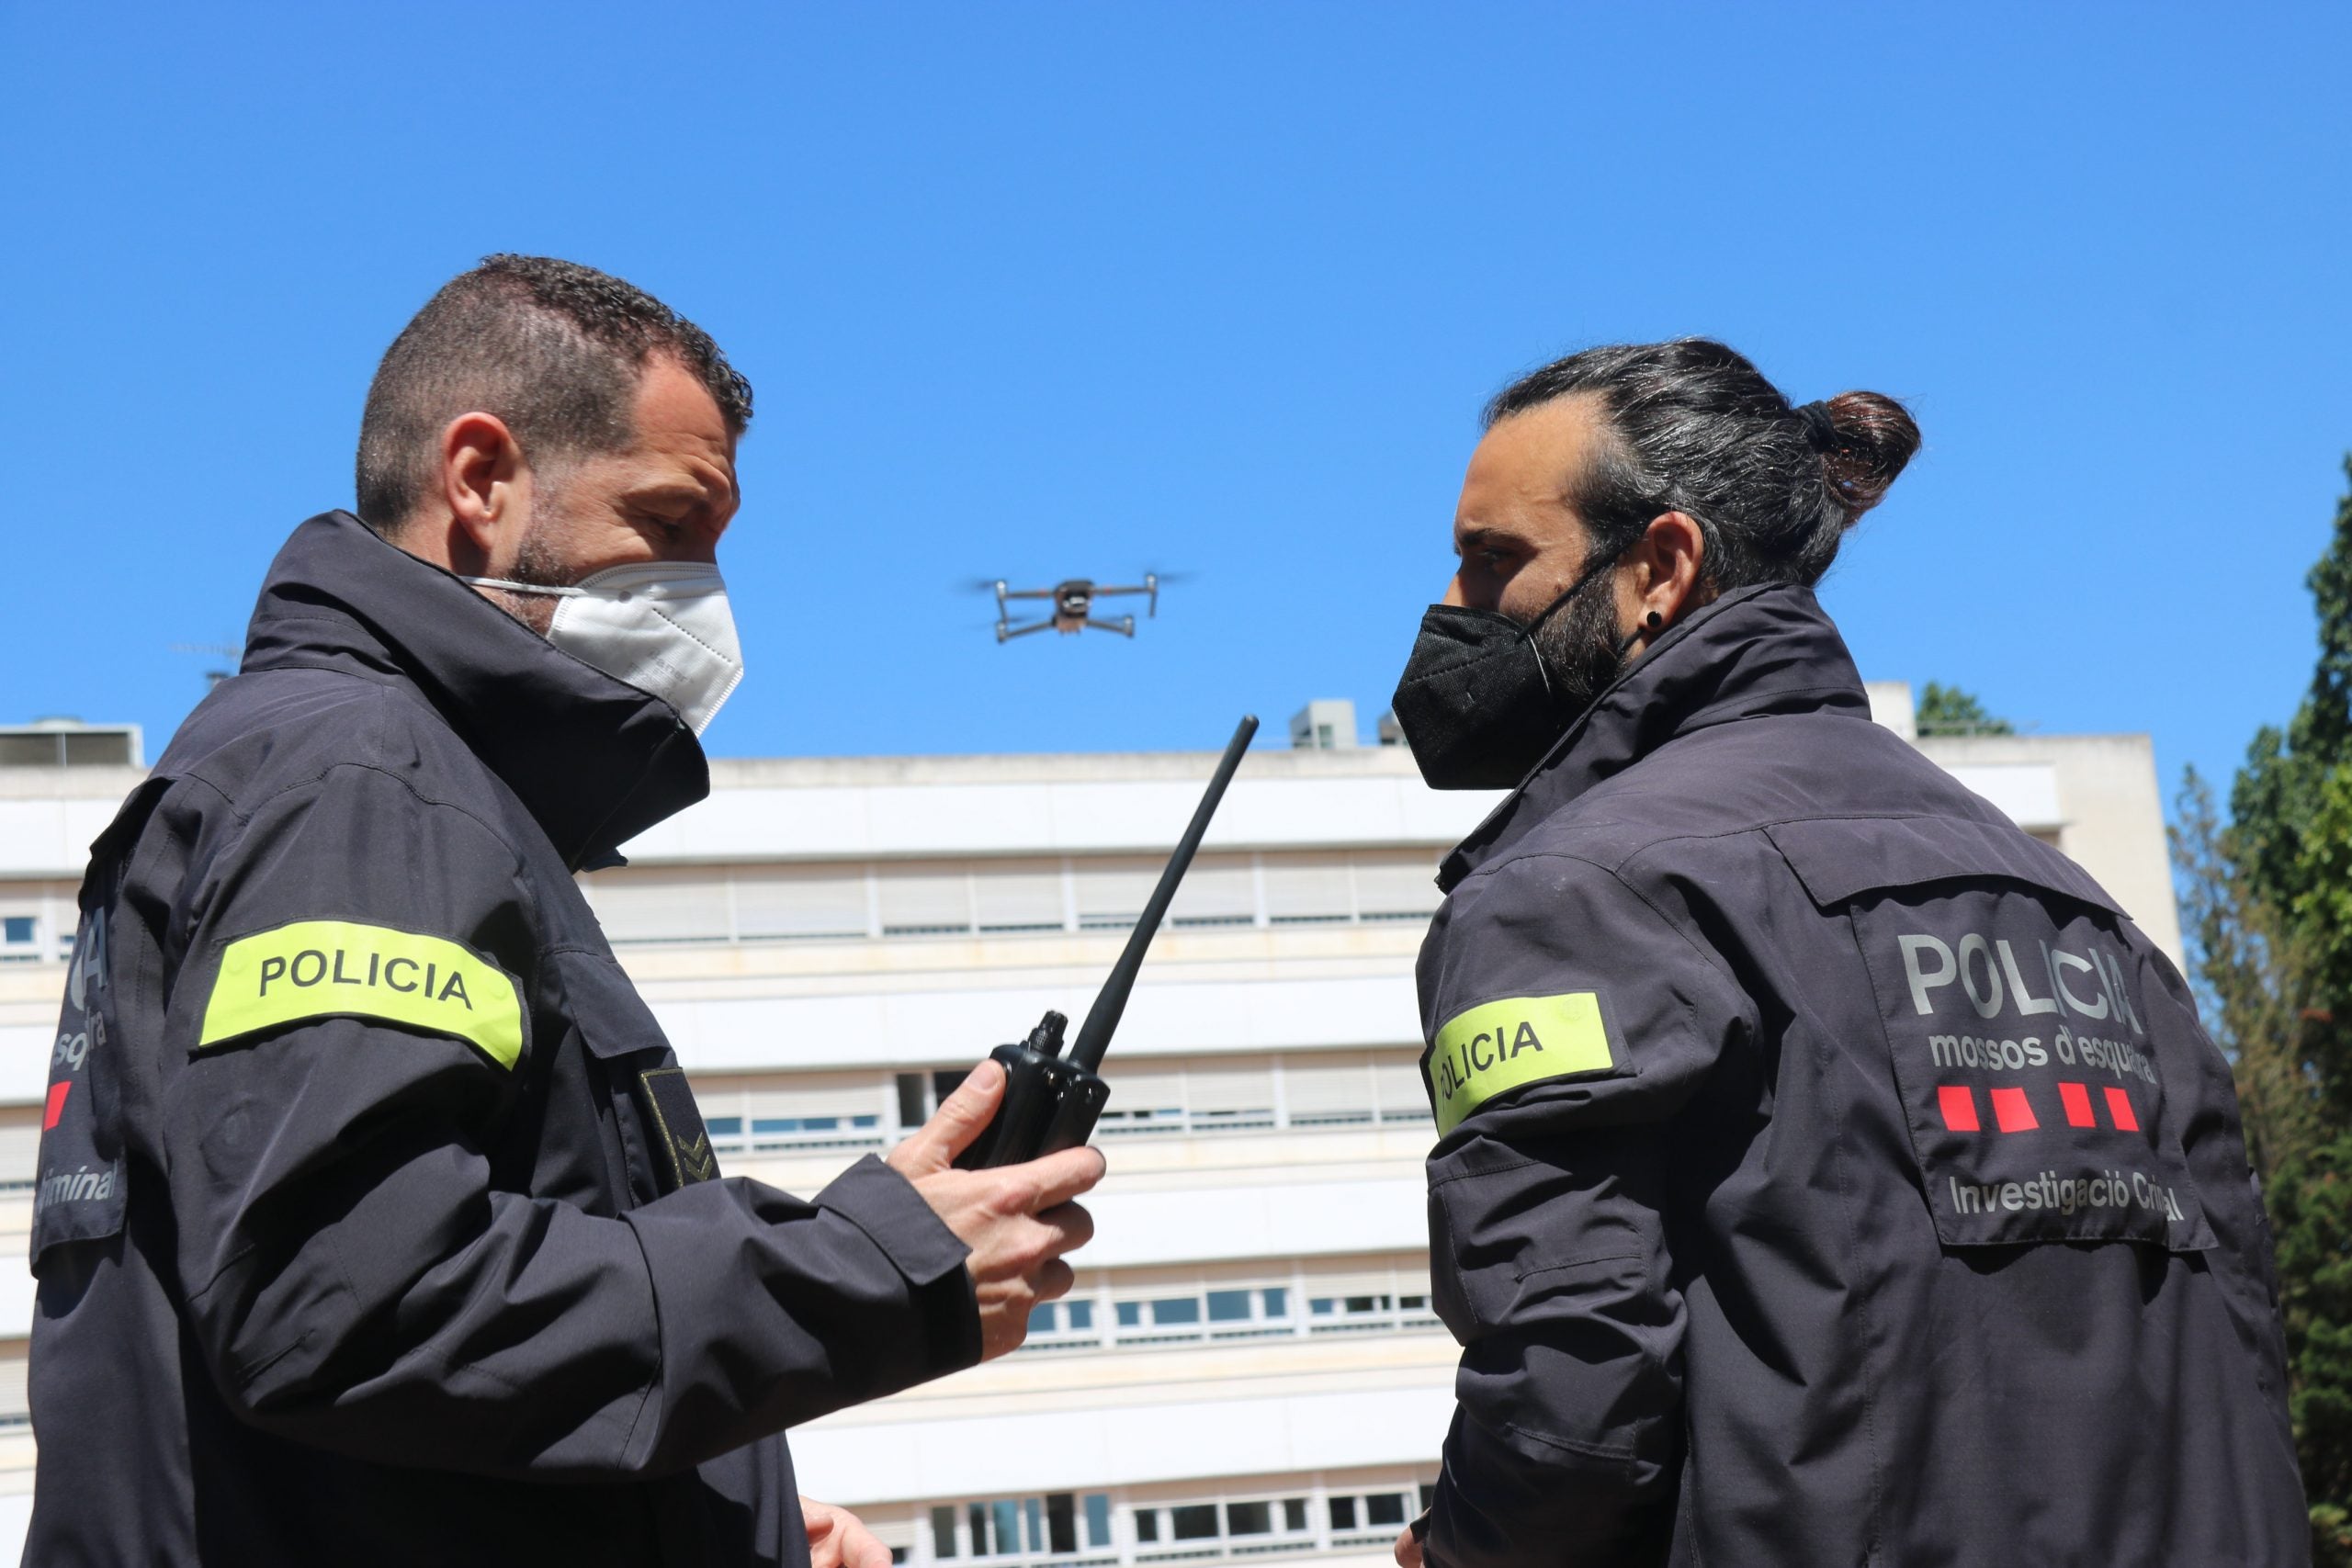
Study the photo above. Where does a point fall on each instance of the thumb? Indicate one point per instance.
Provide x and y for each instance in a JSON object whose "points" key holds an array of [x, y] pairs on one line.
{"points": [[962, 1117]]}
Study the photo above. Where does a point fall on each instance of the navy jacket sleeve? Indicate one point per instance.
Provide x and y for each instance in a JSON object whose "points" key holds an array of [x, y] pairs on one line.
{"points": [[2212, 1142], [354, 1272], [1567, 1019]]}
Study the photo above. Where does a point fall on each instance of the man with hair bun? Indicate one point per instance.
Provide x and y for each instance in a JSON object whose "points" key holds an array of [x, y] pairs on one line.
{"points": [[381, 1225], [1827, 1171]]}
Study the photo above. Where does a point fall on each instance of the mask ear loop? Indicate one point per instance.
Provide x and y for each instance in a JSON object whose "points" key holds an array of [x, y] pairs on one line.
{"points": [[1527, 632], [548, 590]]}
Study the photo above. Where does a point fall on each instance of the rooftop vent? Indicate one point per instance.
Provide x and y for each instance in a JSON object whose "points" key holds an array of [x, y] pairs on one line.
{"points": [[1326, 724], [70, 743]]}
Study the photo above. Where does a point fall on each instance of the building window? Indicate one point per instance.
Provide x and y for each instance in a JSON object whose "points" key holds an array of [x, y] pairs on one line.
{"points": [[1218, 1312], [1367, 1516], [1019, 896], [774, 1134], [1057, 1525], [1109, 894], [1061, 1325], [1220, 890], [1195, 1521], [779, 1115], [1355, 1315], [809, 1112], [920, 1094], [1245, 1527], [1199, 1315], [1338, 1088], [21, 938], [1076, 1529], [983, 895]]}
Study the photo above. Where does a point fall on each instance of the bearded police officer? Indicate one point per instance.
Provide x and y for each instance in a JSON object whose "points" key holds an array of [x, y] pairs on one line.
{"points": [[378, 1222], [1829, 1172]]}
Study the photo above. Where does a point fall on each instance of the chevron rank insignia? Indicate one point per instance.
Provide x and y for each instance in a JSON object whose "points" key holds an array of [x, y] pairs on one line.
{"points": [[682, 1152]]}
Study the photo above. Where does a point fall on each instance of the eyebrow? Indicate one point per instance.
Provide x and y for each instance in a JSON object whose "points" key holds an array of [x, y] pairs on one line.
{"points": [[700, 490], [668, 490], [1480, 534]]}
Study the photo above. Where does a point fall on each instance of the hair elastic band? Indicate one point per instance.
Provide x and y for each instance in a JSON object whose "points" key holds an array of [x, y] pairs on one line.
{"points": [[1819, 428]]}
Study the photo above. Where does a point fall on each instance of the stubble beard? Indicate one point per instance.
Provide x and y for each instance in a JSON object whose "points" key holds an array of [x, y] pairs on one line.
{"points": [[1578, 646], [537, 563]]}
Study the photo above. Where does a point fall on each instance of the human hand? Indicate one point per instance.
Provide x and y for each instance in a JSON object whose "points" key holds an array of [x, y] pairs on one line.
{"points": [[1409, 1545], [839, 1539], [1017, 1219]]}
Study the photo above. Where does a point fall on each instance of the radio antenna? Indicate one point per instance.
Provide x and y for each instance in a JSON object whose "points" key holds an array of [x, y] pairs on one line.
{"points": [[1094, 1034]]}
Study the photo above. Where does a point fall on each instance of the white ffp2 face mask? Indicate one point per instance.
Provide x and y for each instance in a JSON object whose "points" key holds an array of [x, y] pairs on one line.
{"points": [[662, 626]]}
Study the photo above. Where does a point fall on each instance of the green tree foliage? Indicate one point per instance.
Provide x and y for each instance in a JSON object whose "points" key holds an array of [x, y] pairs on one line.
{"points": [[2268, 901], [2251, 992], [1948, 710]]}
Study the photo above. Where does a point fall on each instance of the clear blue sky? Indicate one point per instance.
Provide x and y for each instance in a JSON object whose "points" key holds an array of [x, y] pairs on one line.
{"points": [[1035, 290]]}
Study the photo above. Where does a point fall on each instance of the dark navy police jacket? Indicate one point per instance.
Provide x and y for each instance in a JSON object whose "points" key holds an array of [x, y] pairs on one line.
{"points": [[1830, 1172], [376, 1223]]}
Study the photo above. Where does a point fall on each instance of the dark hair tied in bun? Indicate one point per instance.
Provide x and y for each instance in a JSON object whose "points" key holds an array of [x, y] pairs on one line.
{"points": [[1693, 427]]}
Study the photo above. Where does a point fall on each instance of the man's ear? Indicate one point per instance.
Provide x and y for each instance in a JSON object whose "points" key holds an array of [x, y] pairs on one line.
{"points": [[482, 476], [1668, 571]]}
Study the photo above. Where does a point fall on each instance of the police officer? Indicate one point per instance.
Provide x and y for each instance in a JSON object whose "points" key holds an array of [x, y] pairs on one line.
{"points": [[1827, 1172], [376, 1222]]}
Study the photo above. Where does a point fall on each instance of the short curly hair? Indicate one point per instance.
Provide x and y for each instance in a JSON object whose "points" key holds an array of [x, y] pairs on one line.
{"points": [[553, 348]]}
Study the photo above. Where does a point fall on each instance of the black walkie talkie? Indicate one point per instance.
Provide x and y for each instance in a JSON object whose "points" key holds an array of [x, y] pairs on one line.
{"points": [[1051, 1101]]}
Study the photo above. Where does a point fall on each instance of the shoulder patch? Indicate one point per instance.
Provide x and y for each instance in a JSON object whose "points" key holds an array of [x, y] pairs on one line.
{"points": [[1506, 1044], [678, 1119], [340, 968]]}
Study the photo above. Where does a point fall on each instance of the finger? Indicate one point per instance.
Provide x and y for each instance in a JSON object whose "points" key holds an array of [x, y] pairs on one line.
{"points": [[960, 1117], [1073, 1223], [863, 1548], [824, 1550], [1052, 1281], [1058, 1178]]}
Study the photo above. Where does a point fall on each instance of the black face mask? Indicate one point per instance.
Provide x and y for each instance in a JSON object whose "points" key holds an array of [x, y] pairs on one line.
{"points": [[1476, 703]]}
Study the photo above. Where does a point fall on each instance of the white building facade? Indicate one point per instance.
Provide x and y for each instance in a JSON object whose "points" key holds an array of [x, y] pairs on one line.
{"points": [[1249, 1365]]}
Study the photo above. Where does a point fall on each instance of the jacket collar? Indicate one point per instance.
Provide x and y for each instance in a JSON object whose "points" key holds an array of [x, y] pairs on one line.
{"points": [[1771, 649], [596, 760]]}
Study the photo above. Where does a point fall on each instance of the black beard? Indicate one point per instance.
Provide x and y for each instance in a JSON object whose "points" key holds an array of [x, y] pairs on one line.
{"points": [[1580, 645]]}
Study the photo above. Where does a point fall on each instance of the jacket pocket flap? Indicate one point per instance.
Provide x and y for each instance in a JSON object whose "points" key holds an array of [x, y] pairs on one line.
{"points": [[598, 1000], [1838, 858]]}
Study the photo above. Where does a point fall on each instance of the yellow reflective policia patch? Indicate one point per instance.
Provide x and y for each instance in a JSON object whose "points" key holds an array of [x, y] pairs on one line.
{"points": [[1519, 1040], [337, 968]]}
